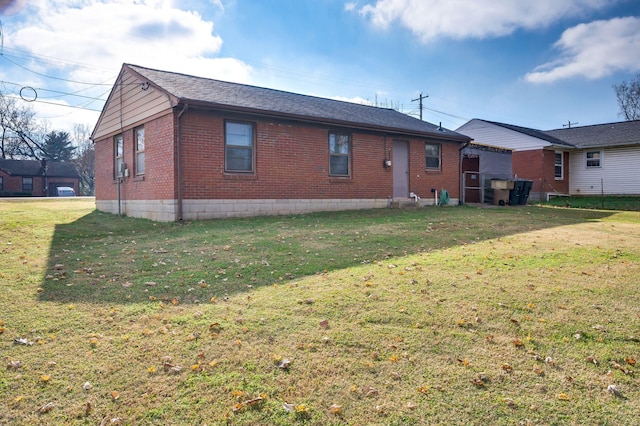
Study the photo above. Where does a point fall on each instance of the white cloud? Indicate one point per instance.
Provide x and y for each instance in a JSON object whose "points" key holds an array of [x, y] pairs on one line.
{"points": [[593, 51], [88, 40], [459, 19]]}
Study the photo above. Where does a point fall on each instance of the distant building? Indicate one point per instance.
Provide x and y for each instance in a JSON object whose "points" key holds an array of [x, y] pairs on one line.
{"points": [[33, 178]]}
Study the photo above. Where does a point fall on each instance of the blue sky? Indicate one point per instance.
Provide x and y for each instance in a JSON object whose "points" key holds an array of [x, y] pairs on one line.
{"points": [[534, 63]]}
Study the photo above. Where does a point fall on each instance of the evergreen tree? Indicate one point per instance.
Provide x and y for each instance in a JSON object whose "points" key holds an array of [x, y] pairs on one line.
{"points": [[57, 147]]}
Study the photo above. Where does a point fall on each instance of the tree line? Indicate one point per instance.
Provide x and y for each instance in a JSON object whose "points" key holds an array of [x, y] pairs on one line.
{"points": [[23, 137]]}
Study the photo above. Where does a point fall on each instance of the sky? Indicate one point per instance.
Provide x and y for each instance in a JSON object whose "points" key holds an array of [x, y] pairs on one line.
{"points": [[534, 63]]}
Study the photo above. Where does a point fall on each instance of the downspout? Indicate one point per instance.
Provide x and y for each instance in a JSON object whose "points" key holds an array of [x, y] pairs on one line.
{"points": [[179, 160], [461, 198]]}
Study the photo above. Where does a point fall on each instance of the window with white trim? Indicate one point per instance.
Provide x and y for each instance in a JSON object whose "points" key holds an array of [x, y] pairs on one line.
{"points": [[432, 156], [339, 154], [593, 159], [118, 150], [239, 147], [139, 136], [559, 165]]}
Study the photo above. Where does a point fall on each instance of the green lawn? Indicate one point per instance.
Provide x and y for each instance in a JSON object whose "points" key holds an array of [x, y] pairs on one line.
{"points": [[628, 203], [455, 315]]}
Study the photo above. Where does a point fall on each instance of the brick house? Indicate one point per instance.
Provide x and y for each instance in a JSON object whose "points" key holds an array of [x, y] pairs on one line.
{"points": [[34, 178], [586, 160], [171, 146], [536, 155]]}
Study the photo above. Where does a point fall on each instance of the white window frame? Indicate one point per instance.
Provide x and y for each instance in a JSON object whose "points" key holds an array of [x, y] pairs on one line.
{"points": [[336, 153], [118, 152], [561, 165], [598, 159], [427, 156], [138, 134], [249, 146]]}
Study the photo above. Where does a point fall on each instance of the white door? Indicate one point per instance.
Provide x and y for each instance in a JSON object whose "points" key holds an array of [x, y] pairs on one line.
{"points": [[400, 166]]}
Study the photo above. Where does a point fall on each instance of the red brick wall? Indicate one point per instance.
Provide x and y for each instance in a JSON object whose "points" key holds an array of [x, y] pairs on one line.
{"points": [[292, 161], [158, 182], [539, 166]]}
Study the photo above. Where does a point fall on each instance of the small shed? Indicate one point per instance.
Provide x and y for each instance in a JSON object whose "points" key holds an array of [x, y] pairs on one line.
{"points": [[480, 164]]}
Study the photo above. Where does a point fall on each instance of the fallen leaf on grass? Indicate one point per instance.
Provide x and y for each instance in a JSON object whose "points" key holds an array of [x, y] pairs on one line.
{"points": [[630, 361], [563, 397], [613, 390], [507, 368], [45, 408], [45, 378], [115, 395], [288, 407], [14, 365], [335, 409], [284, 364], [591, 359], [324, 324]]}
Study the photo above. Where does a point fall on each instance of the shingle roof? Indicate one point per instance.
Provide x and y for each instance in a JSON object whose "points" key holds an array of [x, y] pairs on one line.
{"points": [[34, 168], [260, 100], [623, 133], [545, 136]]}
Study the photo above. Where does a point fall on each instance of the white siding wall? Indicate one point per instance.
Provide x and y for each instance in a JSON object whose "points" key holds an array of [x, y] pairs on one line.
{"points": [[490, 134], [619, 172], [137, 105]]}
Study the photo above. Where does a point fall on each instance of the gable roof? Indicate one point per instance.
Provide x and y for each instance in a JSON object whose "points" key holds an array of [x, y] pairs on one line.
{"points": [[206, 92], [623, 133], [539, 134], [34, 168]]}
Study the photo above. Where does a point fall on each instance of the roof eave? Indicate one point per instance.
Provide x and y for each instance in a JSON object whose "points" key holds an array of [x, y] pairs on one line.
{"points": [[319, 120]]}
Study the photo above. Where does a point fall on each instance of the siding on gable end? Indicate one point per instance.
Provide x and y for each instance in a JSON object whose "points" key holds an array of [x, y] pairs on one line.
{"points": [[138, 103], [618, 174], [491, 134]]}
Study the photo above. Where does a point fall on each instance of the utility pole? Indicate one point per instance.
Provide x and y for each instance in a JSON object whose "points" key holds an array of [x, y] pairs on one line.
{"points": [[569, 124], [420, 98]]}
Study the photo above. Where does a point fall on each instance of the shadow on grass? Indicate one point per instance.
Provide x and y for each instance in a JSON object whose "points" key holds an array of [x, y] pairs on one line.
{"points": [[104, 259]]}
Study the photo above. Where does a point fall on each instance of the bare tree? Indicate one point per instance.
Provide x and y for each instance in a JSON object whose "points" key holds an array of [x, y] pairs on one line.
{"points": [[18, 129], [84, 158], [628, 96]]}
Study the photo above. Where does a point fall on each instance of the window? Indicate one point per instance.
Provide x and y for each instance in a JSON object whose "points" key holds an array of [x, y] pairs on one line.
{"points": [[432, 151], [139, 135], [339, 152], [559, 172], [593, 158], [27, 184], [1, 184], [239, 147], [118, 150]]}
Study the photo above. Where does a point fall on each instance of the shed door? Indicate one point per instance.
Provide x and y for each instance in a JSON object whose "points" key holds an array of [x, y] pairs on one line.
{"points": [[400, 164]]}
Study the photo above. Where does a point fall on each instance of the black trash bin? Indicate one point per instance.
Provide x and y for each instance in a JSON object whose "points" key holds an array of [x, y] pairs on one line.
{"points": [[514, 194], [524, 195]]}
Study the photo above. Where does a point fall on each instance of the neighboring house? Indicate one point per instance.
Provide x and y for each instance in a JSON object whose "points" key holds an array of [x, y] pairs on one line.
{"points": [[480, 164], [587, 160], [606, 158], [33, 178], [172, 146], [536, 155]]}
